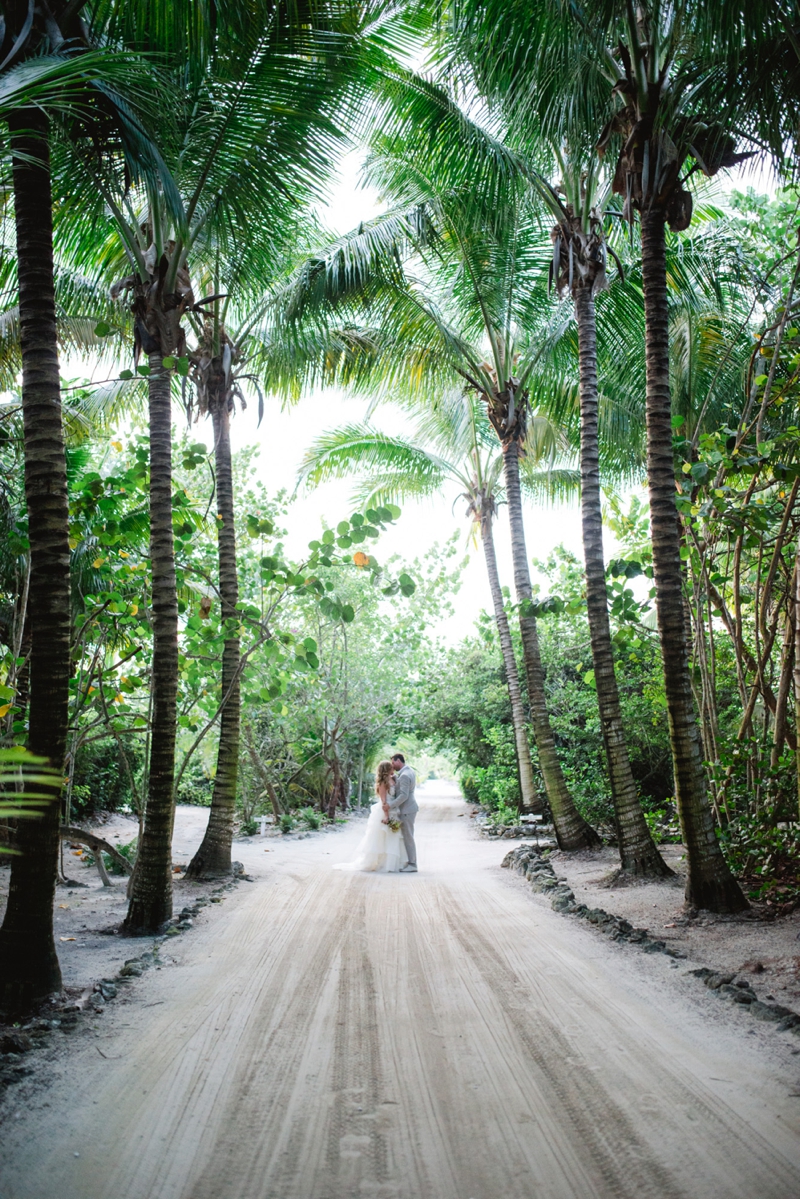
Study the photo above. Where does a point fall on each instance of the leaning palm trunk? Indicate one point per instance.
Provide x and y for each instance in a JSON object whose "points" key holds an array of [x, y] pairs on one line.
{"points": [[709, 882], [29, 966], [638, 854], [214, 855], [531, 800], [151, 900], [572, 831]]}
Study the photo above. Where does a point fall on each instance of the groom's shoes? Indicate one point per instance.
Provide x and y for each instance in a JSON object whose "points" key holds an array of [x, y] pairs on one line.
{"points": [[409, 868]]}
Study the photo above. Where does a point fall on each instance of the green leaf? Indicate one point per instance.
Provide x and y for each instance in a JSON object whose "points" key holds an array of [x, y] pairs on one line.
{"points": [[343, 543], [588, 678], [348, 613], [182, 366], [393, 511], [356, 520], [168, 362], [343, 528], [102, 329], [143, 370], [126, 374], [328, 537]]}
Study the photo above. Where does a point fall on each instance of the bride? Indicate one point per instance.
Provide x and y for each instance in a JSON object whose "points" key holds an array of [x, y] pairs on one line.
{"points": [[381, 848]]}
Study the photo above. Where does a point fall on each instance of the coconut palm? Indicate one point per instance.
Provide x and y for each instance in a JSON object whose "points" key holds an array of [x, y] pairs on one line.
{"points": [[453, 445], [476, 315], [51, 78], [579, 271], [254, 137], [641, 69]]}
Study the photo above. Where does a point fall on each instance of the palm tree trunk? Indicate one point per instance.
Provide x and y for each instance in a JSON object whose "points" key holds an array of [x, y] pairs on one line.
{"points": [[531, 800], [709, 882], [151, 899], [572, 831], [28, 962], [638, 854], [214, 855]]}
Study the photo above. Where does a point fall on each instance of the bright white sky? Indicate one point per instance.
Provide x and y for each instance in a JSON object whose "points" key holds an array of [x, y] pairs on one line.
{"points": [[285, 434]]}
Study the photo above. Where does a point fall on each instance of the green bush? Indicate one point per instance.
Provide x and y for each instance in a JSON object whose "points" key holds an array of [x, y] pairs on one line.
{"points": [[100, 780], [248, 828], [196, 787], [128, 851], [504, 817], [310, 817], [286, 822], [764, 856]]}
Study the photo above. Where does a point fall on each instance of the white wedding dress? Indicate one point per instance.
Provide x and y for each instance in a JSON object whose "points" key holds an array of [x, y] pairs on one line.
{"points": [[380, 849]]}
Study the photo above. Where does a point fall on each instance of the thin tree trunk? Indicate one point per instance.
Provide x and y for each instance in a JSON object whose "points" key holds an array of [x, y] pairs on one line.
{"points": [[531, 800], [710, 883], [638, 854], [572, 831], [29, 966], [151, 899], [214, 855], [784, 687], [797, 664]]}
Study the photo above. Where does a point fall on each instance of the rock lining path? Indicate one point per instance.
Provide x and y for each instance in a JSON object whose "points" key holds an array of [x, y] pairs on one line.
{"points": [[438, 1036]]}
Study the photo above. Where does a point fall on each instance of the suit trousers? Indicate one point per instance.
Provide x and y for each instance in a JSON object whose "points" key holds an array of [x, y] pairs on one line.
{"points": [[407, 829]]}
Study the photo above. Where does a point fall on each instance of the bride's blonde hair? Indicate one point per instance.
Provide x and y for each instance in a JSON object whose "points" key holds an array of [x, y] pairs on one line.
{"points": [[385, 768]]}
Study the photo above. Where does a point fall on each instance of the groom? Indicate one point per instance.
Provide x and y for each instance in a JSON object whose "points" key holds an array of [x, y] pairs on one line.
{"points": [[403, 807]]}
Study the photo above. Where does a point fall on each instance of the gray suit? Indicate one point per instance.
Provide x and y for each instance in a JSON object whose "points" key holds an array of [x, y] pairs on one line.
{"points": [[404, 807]]}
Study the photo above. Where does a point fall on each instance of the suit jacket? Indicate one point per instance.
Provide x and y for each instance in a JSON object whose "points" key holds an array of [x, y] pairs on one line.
{"points": [[403, 803]]}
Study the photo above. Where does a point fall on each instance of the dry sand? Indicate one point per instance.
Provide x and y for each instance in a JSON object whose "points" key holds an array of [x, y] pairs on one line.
{"points": [[435, 1036]]}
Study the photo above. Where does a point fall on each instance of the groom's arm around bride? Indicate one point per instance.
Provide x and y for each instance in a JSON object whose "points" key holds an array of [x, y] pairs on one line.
{"points": [[403, 806]]}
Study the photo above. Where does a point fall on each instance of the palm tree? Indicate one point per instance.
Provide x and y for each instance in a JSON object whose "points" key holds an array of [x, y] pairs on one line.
{"points": [[659, 55], [579, 269], [253, 139], [453, 444], [51, 72], [477, 318], [212, 371]]}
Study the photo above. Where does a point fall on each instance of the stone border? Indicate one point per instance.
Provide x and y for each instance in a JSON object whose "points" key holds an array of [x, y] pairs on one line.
{"points": [[536, 868], [20, 1039]]}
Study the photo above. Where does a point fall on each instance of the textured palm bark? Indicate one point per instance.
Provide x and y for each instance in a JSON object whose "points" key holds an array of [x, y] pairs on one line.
{"points": [[530, 797], [29, 966], [214, 854], [639, 856], [710, 883], [572, 831], [151, 898]]}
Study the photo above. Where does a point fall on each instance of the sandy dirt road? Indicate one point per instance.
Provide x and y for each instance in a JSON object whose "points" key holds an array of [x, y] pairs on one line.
{"points": [[438, 1036]]}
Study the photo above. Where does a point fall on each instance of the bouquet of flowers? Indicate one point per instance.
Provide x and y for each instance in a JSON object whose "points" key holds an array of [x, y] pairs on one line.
{"points": [[394, 824]]}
